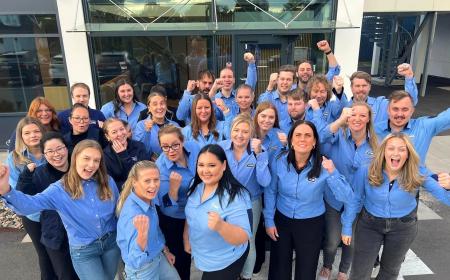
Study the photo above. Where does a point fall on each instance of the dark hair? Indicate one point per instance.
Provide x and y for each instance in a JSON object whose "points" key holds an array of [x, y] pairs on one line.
{"points": [[227, 183], [361, 75], [116, 101], [78, 105], [158, 89], [206, 73], [297, 94], [315, 153], [79, 85], [195, 122], [304, 61], [50, 136], [287, 68]]}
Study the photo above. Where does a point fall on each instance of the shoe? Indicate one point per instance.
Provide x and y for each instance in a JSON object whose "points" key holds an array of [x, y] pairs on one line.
{"points": [[342, 276], [324, 274]]}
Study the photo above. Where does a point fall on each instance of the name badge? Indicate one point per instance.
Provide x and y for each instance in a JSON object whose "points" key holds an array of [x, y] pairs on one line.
{"points": [[312, 179], [251, 165]]}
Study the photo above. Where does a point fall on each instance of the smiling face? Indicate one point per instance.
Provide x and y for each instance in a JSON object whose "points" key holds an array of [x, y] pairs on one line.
{"points": [[31, 135], [395, 155], [296, 108], [172, 146], [304, 72], [244, 98], [87, 162], [400, 112], [80, 95], [203, 110], [79, 120], [116, 131], [227, 77], [125, 94], [266, 119], [158, 107], [241, 134], [146, 185], [303, 140], [56, 154], [285, 81], [359, 119], [210, 169], [360, 89], [319, 93], [44, 114]]}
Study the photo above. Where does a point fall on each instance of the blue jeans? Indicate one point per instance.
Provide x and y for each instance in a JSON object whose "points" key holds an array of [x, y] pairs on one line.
{"points": [[247, 271], [98, 260], [158, 269]]}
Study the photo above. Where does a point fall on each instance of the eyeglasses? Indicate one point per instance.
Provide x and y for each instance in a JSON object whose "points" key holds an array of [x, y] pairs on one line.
{"points": [[43, 111], [80, 119], [174, 147], [58, 150]]}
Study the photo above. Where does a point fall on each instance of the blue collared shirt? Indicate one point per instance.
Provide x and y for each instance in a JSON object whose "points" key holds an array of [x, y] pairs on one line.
{"points": [[203, 140], [329, 111], [175, 209], [132, 254], [346, 156], [385, 201], [150, 138], [210, 251], [274, 98], [421, 131], [185, 106], [63, 117], [85, 219], [272, 143], [132, 119], [297, 197], [15, 170], [252, 170]]}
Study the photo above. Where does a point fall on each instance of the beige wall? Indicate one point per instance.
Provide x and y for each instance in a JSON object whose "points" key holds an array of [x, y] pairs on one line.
{"points": [[405, 5]]}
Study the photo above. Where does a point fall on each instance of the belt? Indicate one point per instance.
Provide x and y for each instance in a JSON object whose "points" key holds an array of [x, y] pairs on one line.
{"points": [[407, 218], [106, 235]]}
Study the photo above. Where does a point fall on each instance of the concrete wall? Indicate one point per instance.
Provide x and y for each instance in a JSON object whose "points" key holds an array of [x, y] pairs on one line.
{"points": [[440, 50], [405, 5]]}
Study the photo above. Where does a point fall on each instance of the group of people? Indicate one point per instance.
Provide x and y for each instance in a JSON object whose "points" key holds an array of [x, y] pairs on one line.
{"points": [[128, 183]]}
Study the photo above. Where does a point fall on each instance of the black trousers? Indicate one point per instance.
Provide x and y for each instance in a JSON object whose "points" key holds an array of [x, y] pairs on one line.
{"points": [[173, 232], [302, 235], [230, 272], [53, 264], [260, 245]]}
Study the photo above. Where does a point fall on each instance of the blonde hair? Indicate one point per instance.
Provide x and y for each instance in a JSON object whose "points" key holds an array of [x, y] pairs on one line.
{"points": [[408, 177], [133, 175], [20, 146], [244, 118], [370, 130], [72, 181], [108, 122]]}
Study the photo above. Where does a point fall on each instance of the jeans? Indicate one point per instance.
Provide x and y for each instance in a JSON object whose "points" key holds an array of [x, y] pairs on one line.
{"points": [[247, 271], [97, 260], [371, 232], [333, 229], [158, 269]]}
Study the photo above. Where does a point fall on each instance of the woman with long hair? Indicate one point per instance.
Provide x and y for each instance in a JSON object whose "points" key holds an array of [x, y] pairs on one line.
{"points": [[121, 153], [125, 104], [249, 163], [177, 166], [138, 234], [146, 131], [204, 128], [52, 235], [294, 206], [386, 192], [85, 198], [218, 217], [349, 142]]}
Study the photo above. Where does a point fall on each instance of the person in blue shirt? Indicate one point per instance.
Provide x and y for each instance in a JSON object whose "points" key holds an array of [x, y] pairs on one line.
{"points": [[420, 130], [80, 93], [204, 128], [146, 131], [218, 217], [138, 234], [385, 193], [249, 163], [244, 100], [294, 205], [125, 104], [177, 166], [121, 153], [349, 142], [85, 198], [52, 241]]}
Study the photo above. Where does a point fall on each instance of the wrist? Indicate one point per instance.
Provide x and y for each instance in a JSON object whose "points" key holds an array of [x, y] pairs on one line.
{"points": [[328, 52]]}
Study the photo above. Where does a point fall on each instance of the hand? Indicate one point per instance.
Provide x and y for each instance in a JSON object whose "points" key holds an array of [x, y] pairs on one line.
{"points": [[4, 179], [169, 256], [31, 166], [283, 138], [191, 84], [141, 223], [314, 104], [118, 147], [338, 83], [347, 240], [324, 46], [100, 124], [214, 221], [229, 65], [272, 233], [148, 124], [218, 84], [249, 57], [221, 104], [346, 113], [444, 180], [187, 245], [174, 184], [272, 81], [405, 70], [328, 164], [255, 144]]}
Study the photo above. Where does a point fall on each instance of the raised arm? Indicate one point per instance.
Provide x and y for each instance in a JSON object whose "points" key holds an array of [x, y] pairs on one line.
{"points": [[251, 70]]}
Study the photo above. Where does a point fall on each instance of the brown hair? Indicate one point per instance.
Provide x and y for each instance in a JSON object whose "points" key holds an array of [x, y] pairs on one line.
{"points": [[109, 121], [34, 107], [297, 94], [79, 85], [170, 129], [287, 68], [195, 122], [370, 130], [315, 80], [305, 61], [397, 95], [20, 146], [361, 75], [72, 181], [261, 107]]}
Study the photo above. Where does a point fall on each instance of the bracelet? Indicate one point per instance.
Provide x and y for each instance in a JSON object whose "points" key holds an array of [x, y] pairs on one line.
{"points": [[328, 52]]}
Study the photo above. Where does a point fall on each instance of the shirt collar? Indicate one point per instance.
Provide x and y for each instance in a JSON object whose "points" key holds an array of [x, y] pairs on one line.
{"points": [[228, 145], [232, 94], [388, 128], [144, 205]]}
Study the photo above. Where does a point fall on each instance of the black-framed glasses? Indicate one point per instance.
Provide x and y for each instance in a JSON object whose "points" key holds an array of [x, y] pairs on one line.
{"points": [[58, 150], [80, 119], [174, 147]]}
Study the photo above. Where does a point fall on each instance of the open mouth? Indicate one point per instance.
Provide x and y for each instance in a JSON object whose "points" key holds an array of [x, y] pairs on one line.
{"points": [[395, 163]]}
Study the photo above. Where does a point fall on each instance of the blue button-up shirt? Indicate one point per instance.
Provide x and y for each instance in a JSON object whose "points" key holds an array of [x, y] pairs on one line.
{"points": [[252, 170], [297, 197], [329, 111], [185, 107], [132, 119], [272, 143], [210, 251], [85, 219], [202, 140], [421, 131], [132, 255], [63, 117], [274, 98], [175, 209], [381, 202]]}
